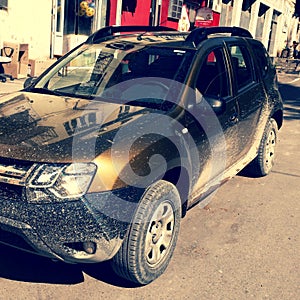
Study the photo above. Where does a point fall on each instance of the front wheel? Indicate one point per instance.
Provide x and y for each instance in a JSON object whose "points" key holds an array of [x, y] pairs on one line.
{"points": [[263, 163], [151, 239]]}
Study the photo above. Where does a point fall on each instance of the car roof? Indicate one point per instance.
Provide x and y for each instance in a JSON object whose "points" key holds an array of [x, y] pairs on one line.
{"points": [[125, 37], [124, 41]]}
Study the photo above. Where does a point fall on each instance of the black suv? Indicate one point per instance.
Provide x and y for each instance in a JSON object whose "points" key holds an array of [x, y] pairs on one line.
{"points": [[102, 155]]}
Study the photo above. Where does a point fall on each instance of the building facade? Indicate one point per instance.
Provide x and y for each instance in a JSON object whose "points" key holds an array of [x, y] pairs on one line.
{"points": [[272, 22], [52, 27]]}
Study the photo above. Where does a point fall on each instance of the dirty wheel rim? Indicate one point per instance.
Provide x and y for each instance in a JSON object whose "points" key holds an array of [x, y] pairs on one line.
{"points": [[159, 233], [270, 149]]}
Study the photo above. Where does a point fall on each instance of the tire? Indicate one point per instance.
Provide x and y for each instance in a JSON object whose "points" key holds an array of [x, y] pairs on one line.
{"points": [[151, 239], [263, 163], [3, 79]]}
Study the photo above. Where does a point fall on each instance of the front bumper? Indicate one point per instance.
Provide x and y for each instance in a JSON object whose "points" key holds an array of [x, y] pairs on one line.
{"points": [[60, 230]]}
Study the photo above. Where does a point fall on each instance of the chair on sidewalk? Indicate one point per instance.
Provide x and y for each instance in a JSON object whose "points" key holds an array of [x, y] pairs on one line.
{"points": [[5, 58]]}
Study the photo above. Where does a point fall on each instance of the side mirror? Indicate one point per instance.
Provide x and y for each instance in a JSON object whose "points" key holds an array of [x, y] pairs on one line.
{"points": [[29, 81], [217, 104]]}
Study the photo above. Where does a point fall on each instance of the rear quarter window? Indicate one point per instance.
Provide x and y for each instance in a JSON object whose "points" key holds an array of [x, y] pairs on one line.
{"points": [[261, 57]]}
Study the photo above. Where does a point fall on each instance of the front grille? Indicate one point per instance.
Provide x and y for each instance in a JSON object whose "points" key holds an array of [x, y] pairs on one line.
{"points": [[14, 172]]}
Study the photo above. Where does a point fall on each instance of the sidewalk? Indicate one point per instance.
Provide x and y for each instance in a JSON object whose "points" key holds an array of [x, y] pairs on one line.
{"points": [[11, 86], [287, 69]]}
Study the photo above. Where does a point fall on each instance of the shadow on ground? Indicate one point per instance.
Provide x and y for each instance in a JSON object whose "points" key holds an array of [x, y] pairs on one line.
{"points": [[22, 266], [291, 99]]}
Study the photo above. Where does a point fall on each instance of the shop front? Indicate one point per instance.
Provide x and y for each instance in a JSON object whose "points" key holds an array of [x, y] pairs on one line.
{"points": [[73, 21], [200, 13]]}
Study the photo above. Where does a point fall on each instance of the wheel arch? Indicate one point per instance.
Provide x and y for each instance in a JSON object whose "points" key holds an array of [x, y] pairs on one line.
{"points": [[278, 117], [179, 176]]}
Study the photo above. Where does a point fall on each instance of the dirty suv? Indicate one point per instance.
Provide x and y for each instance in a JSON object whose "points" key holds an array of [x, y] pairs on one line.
{"points": [[103, 154]]}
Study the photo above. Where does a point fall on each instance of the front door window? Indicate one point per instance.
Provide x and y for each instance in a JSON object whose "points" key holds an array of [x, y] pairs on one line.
{"points": [[213, 76]]}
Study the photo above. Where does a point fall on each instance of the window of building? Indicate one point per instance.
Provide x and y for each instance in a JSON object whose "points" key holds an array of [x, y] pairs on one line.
{"points": [[79, 17], [129, 6], [246, 13], [247, 5], [3, 4], [297, 8], [262, 10], [226, 15], [175, 7], [210, 3], [227, 2], [261, 21]]}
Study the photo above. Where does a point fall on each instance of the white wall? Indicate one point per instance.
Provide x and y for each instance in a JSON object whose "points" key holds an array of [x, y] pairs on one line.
{"points": [[29, 22]]}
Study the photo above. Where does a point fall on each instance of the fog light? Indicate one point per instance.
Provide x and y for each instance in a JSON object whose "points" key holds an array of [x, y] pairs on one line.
{"points": [[89, 247]]}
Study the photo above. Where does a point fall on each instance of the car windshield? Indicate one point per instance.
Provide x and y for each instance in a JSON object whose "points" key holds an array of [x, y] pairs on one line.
{"points": [[95, 71]]}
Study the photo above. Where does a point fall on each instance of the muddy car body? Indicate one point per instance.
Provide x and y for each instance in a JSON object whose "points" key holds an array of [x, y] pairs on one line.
{"points": [[102, 155]]}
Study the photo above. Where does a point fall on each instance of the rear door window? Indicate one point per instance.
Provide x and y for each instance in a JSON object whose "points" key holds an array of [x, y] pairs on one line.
{"points": [[241, 66]]}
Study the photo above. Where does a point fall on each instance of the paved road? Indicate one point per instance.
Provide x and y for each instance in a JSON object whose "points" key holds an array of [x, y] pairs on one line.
{"points": [[244, 245]]}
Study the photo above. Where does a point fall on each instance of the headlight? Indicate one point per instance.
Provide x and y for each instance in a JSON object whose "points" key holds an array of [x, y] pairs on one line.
{"points": [[62, 181]]}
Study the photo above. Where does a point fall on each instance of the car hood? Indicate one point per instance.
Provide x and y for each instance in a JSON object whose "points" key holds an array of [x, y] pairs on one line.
{"points": [[48, 128]]}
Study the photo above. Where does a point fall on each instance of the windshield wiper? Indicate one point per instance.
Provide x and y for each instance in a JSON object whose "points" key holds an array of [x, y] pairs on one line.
{"points": [[57, 93], [46, 91]]}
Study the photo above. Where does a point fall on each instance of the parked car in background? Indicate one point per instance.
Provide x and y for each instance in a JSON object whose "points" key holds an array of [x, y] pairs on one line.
{"points": [[103, 154]]}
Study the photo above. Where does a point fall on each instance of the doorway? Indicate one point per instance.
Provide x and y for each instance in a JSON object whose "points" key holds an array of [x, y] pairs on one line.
{"points": [[58, 7]]}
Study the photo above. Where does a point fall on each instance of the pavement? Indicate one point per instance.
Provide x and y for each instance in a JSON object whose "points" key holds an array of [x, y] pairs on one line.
{"points": [[11, 86], [287, 69]]}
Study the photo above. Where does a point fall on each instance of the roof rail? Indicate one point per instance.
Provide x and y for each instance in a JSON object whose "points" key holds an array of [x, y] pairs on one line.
{"points": [[111, 30], [200, 34]]}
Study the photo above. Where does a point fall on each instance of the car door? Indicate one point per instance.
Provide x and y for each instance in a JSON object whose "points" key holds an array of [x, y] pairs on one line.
{"points": [[249, 94], [215, 127]]}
